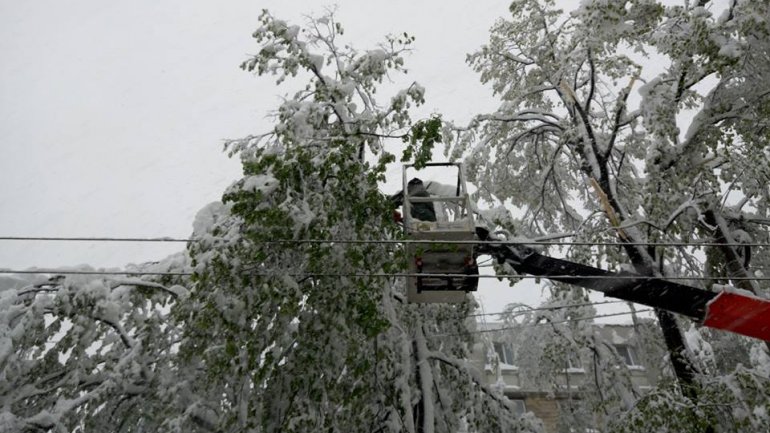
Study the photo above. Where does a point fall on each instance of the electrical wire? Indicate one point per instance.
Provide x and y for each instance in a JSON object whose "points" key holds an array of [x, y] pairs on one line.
{"points": [[559, 307], [76, 272], [576, 319], [93, 239], [391, 275], [698, 243], [529, 325]]}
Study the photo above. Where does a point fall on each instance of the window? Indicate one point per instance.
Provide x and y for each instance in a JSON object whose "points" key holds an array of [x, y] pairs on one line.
{"points": [[573, 360], [519, 408], [628, 354], [504, 353]]}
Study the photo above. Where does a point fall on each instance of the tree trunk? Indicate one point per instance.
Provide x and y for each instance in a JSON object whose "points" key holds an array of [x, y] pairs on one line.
{"points": [[737, 273]]}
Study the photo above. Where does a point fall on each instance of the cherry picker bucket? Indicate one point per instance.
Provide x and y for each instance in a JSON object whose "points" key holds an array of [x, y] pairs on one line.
{"points": [[440, 228]]}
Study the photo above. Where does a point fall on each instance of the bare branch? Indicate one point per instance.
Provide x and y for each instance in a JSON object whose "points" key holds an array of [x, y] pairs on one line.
{"points": [[620, 108], [124, 337], [592, 77], [462, 366]]}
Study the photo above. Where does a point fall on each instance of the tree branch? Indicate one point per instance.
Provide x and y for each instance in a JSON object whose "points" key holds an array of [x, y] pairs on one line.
{"points": [[592, 77], [142, 283], [460, 366], [620, 108]]}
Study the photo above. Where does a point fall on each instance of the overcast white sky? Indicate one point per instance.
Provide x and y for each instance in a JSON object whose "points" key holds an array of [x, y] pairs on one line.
{"points": [[113, 114]]}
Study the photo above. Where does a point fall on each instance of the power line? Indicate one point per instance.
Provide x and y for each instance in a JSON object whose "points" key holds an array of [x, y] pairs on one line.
{"points": [[389, 275], [576, 319], [697, 243], [559, 307], [93, 239], [76, 272]]}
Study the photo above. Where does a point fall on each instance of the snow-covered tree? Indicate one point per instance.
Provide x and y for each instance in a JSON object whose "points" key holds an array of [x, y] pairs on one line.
{"points": [[282, 315], [558, 349], [289, 321], [638, 122], [292, 335], [88, 353]]}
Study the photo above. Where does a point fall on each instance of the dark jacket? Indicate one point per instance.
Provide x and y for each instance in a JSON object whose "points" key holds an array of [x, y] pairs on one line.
{"points": [[421, 211]]}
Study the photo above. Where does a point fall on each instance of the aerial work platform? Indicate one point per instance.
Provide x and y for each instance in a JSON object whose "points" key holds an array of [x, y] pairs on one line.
{"points": [[443, 243], [435, 212]]}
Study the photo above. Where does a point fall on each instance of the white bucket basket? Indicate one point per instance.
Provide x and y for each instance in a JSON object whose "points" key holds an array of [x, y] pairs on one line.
{"points": [[441, 255]]}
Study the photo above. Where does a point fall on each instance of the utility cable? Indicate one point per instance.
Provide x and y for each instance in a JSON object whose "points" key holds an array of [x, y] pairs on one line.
{"points": [[698, 243], [76, 272], [93, 239], [558, 307], [529, 325], [388, 275]]}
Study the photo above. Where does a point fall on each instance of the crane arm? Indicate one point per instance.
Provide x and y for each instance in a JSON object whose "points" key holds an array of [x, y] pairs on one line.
{"points": [[731, 311]]}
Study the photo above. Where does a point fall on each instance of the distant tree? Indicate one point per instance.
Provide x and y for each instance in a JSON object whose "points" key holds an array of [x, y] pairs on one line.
{"points": [[637, 122], [559, 349]]}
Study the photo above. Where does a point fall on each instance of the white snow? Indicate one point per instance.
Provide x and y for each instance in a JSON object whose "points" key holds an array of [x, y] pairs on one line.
{"points": [[180, 291], [730, 48], [317, 61], [263, 183], [207, 217], [734, 290], [760, 359]]}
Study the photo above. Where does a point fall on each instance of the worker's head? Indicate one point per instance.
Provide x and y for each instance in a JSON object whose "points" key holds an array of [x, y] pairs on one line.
{"points": [[414, 185]]}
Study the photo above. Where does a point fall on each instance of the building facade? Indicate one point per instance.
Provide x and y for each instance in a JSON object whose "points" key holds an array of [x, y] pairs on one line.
{"points": [[555, 381]]}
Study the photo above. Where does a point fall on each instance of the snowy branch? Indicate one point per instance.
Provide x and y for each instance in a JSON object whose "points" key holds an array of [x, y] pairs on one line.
{"points": [[463, 367], [175, 291]]}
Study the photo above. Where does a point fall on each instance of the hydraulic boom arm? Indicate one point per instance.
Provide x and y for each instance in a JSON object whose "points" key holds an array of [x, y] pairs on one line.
{"points": [[746, 315]]}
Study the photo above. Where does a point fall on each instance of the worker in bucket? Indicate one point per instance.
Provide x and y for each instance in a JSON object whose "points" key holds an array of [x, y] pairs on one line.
{"points": [[420, 211]]}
